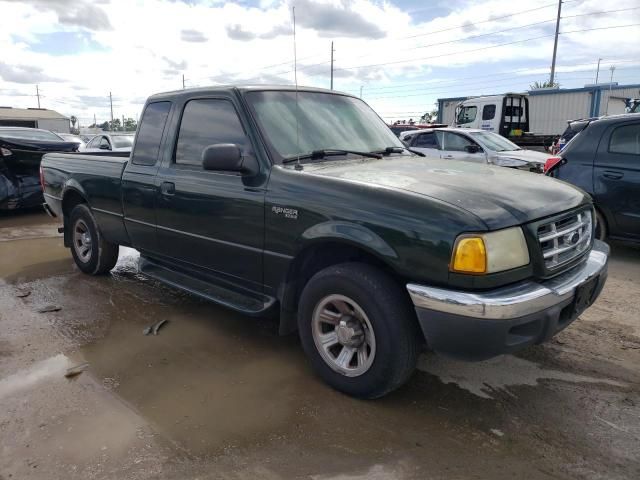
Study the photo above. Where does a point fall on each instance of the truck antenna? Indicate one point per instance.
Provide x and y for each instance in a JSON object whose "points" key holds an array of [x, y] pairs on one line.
{"points": [[295, 77]]}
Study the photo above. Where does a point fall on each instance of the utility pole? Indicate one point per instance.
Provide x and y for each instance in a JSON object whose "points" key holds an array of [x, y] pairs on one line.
{"points": [[612, 68], [94, 120], [38, 95], [555, 46], [123, 123], [332, 50], [598, 70], [111, 103], [183, 81]]}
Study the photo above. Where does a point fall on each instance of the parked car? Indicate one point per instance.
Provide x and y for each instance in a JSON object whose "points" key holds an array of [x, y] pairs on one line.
{"points": [[69, 137], [399, 128], [21, 150], [474, 145], [86, 138], [604, 160], [574, 127], [111, 142], [365, 248]]}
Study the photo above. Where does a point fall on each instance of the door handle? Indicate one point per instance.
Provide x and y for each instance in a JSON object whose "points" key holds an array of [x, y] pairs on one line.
{"points": [[167, 188], [612, 175], [448, 156]]}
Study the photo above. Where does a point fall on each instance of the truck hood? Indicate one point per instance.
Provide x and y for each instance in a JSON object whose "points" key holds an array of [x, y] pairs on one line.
{"points": [[499, 196]]}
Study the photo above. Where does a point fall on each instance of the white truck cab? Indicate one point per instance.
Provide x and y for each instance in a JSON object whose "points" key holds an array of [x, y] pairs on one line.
{"points": [[506, 115]]}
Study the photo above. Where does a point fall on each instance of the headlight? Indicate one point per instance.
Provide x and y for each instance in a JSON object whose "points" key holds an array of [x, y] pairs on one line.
{"points": [[509, 162], [490, 252], [5, 152]]}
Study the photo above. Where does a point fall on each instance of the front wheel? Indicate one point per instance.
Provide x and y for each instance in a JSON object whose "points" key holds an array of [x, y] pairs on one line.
{"points": [[358, 329], [91, 252]]}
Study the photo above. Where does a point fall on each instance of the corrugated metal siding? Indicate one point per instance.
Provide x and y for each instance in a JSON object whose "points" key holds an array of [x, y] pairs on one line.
{"points": [[616, 105], [60, 125], [549, 113], [449, 111]]}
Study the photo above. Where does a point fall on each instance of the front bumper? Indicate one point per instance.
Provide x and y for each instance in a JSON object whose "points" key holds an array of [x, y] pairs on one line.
{"points": [[481, 325]]}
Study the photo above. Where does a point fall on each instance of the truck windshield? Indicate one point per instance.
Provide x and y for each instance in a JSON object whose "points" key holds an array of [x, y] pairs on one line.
{"points": [[494, 142], [325, 122]]}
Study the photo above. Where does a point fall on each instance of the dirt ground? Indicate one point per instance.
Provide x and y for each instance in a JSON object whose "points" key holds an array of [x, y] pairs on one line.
{"points": [[216, 395]]}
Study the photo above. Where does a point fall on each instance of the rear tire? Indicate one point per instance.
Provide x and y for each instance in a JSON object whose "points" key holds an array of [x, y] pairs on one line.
{"points": [[91, 252], [601, 227], [358, 329]]}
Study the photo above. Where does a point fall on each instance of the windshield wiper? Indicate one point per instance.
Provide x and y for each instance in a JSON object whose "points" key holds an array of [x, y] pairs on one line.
{"points": [[390, 150], [328, 152]]}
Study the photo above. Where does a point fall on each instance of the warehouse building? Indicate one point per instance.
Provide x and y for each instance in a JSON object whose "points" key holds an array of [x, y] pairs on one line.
{"points": [[34, 118], [550, 109]]}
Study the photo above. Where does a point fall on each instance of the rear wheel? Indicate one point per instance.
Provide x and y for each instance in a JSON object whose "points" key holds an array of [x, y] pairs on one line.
{"points": [[91, 252], [358, 329]]}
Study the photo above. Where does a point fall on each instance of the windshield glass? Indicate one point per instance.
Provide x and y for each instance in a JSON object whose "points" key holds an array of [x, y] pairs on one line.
{"points": [[494, 142], [325, 121], [30, 134], [122, 141]]}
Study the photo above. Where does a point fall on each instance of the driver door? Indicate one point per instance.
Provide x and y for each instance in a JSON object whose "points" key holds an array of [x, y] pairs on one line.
{"points": [[210, 220]]}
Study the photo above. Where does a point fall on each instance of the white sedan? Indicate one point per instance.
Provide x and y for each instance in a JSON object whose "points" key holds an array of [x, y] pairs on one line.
{"points": [[473, 145], [111, 142]]}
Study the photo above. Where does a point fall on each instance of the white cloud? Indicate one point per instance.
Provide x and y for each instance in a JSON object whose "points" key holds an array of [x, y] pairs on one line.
{"points": [[152, 43]]}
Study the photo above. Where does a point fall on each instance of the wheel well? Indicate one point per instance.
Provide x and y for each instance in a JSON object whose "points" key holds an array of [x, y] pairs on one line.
{"points": [[69, 201], [309, 262]]}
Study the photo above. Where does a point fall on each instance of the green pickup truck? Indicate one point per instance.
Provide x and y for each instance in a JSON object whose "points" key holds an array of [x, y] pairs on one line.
{"points": [[303, 204]]}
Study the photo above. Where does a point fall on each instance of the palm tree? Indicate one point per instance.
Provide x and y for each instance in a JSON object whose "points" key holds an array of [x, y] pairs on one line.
{"points": [[546, 84], [73, 119]]}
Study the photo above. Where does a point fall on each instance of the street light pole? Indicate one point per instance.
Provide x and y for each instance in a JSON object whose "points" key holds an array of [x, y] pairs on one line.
{"points": [[332, 50], [598, 70], [555, 46]]}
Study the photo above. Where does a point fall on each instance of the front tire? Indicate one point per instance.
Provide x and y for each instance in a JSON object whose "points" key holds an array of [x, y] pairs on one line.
{"points": [[358, 330], [91, 252]]}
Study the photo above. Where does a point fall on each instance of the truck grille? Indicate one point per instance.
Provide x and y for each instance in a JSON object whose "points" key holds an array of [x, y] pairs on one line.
{"points": [[565, 239]]}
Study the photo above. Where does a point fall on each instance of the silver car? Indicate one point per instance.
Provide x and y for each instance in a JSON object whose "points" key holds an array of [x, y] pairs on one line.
{"points": [[111, 142], [473, 145]]}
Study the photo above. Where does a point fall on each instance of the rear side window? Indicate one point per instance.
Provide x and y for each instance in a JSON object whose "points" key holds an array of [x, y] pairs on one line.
{"points": [[625, 139], [467, 115], [455, 143], [510, 111], [150, 133], [207, 122], [488, 112], [427, 140]]}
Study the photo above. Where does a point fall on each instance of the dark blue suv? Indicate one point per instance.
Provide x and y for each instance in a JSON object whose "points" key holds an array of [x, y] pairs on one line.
{"points": [[604, 160]]}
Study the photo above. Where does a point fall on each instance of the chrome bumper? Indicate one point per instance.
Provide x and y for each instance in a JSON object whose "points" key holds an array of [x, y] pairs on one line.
{"points": [[515, 300]]}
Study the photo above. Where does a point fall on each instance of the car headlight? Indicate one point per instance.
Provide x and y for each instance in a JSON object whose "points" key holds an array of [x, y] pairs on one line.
{"points": [[490, 252], [5, 152], [509, 162]]}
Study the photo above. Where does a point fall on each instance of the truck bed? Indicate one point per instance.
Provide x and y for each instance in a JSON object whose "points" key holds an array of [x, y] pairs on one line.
{"points": [[96, 177]]}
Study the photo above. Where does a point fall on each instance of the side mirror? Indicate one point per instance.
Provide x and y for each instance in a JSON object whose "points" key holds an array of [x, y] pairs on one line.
{"points": [[222, 156], [473, 149], [104, 147]]}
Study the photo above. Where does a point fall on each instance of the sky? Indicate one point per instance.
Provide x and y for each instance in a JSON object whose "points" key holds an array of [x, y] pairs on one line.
{"points": [[400, 55]]}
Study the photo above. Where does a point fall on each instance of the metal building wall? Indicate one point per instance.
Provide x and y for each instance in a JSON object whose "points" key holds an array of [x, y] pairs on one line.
{"points": [[612, 101], [447, 109], [60, 125], [550, 111]]}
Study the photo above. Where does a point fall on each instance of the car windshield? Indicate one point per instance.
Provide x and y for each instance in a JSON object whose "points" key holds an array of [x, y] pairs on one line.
{"points": [[324, 121], [30, 134], [122, 141], [494, 142]]}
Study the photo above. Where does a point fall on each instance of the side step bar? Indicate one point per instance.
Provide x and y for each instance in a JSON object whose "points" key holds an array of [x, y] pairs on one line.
{"points": [[247, 303]]}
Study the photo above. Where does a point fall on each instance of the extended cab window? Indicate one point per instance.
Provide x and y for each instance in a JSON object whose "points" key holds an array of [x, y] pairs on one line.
{"points": [[152, 125], [207, 122], [626, 139], [488, 112], [467, 115]]}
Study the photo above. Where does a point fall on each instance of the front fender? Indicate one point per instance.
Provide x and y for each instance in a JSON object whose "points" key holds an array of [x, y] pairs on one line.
{"points": [[346, 232]]}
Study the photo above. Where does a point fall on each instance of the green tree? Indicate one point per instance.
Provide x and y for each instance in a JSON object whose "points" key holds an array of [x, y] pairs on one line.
{"points": [[73, 120], [547, 84], [115, 125], [104, 126], [130, 125]]}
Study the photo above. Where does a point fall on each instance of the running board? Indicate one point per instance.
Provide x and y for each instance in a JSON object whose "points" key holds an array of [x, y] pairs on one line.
{"points": [[247, 303]]}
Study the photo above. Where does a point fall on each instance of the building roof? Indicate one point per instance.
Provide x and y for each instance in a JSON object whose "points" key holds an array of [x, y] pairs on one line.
{"points": [[10, 113]]}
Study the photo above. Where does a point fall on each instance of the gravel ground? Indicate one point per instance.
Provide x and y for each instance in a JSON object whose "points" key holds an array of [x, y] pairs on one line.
{"points": [[216, 395]]}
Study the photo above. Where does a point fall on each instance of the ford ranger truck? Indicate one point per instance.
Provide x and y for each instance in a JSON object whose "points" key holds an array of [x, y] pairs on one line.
{"points": [[305, 205]]}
